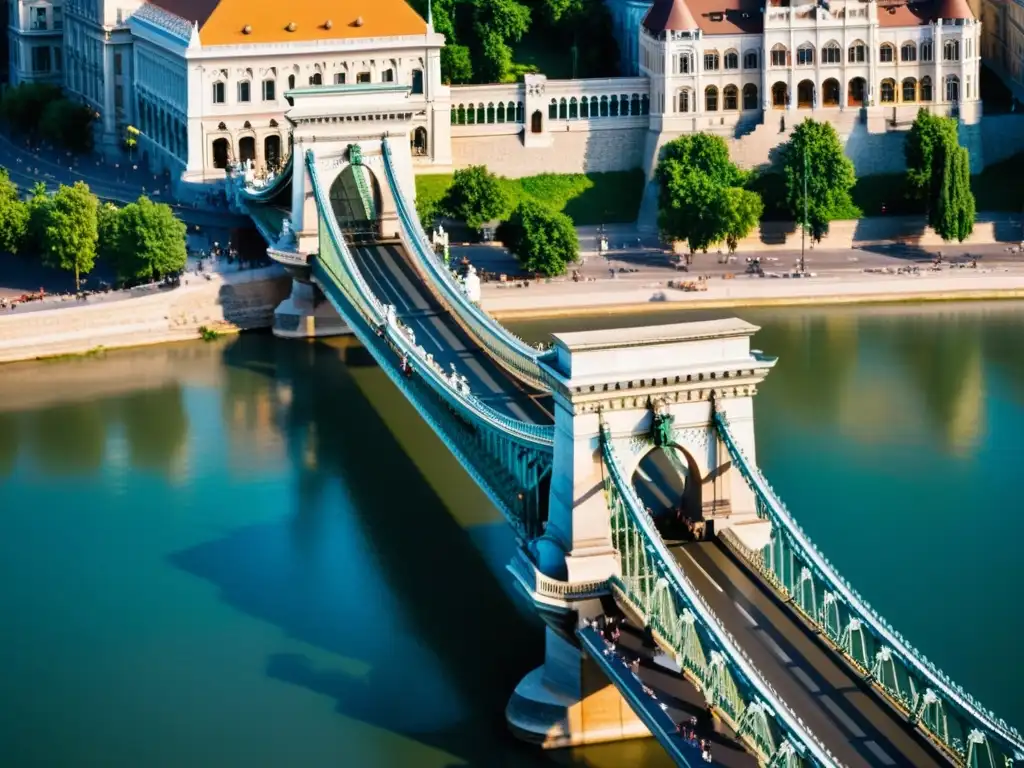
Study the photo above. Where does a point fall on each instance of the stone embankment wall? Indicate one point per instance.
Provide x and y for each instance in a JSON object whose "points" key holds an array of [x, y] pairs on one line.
{"points": [[241, 301]]}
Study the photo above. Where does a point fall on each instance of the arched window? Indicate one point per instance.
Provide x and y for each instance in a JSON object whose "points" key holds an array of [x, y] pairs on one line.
{"points": [[291, 85], [645, 104], [316, 79], [536, 122], [780, 55], [481, 113], [455, 115], [858, 52], [387, 76], [585, 108], [595, 110], [563, 109], [604, 106], [888, 91], [925, 89], [711, 61], [490, 112], [952, 88], [613, 104], [684, 64], [750, 96], [417, 81], [780, 95], [218, 92], [831, 53], [244, 91], [520, 112], [221, 153], [926, 50], [553, 110], [510, 112], [805, 55], [684, 100], [909, 89], [951, 50], [830, 93], [730, 97], [750, 60], [805, 94], [732, 60], [269, 91], [574, 108], [886, 53], [419, 141], [634, 104], [711, 99], [908, 52], [500, 113]]}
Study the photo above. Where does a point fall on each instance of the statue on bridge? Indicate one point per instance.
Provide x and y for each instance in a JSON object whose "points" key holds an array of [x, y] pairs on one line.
{"points": [[286, 241]]}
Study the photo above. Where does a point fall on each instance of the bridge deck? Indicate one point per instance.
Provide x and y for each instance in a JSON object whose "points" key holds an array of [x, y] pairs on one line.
{"points": [[391, 276], [852, 722]]}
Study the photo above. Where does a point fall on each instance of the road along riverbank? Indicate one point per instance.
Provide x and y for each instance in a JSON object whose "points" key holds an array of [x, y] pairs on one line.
{"points": [[224, 303], [621, 296]]}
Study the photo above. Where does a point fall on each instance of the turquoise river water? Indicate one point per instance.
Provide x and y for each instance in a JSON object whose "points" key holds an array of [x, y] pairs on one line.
{"points": [[253, 553]]}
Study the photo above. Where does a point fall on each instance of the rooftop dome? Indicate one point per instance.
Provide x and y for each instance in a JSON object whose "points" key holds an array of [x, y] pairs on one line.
{"points": [[675, 16]]}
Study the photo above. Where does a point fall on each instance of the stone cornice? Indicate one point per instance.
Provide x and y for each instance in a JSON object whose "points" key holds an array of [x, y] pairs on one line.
{"points": [[361, 117]]}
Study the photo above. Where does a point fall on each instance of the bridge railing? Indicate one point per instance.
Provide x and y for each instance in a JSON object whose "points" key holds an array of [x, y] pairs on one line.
{"points": [[270, 190], [950, 716], [653, 585], [506, 348], [343, 269]]}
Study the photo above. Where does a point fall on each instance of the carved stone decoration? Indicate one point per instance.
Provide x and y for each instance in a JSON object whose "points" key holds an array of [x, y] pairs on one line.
{"points": [[355, 154], [663, 429], [693, 439]]}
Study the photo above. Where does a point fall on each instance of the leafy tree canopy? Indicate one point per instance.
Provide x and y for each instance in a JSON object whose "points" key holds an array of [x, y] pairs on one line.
{"points": [[543, 240], [928, 133], [743, 210], [13, 215], [69, 124], [476, 196], [72, 230], [148, 240], [955, 208], [829, 176], [456, 65]]}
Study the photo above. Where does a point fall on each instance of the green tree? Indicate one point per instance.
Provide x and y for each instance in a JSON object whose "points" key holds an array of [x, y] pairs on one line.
{"points": [[71, 230], [38, 211], [150, 241], [954, 210], [13, 215], [67, 123], [495, 57], [829, 177], [456, 64], [22, 106], [108, 227], [496, 23], [694, 177], [476, 196], [543, 240], [743, 211], [928, 133]]}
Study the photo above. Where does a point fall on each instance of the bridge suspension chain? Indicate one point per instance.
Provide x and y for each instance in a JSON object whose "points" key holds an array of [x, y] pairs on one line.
{"points": [[652, 586], [949, 716]]}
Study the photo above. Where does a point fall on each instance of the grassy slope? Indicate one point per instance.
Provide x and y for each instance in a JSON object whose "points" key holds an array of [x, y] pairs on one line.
{"points": [[592, 198]]}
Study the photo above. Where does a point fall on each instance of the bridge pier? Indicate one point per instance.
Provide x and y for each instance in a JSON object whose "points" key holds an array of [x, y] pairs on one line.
{"points": [[307, 313], [568, 701]]}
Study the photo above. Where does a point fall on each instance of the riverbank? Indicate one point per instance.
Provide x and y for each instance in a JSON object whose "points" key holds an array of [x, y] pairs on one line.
{"points": [[223, 303], [622, 296]]}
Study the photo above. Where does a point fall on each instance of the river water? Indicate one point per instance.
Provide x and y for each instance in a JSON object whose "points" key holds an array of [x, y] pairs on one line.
{"points": [[253, 552]]}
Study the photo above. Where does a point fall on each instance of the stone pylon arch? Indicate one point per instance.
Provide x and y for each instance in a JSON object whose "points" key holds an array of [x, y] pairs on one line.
{"points": [[646, 387]]}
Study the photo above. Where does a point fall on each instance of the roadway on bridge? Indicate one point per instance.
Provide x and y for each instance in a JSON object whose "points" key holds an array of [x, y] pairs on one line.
{"points": [[393, 279], [854, 724]]}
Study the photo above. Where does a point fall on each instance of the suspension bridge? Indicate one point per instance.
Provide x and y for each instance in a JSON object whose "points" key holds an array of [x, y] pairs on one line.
{"points": [[751, 619]]}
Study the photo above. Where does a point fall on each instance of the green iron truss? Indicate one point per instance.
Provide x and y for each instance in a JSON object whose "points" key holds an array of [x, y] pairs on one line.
{"points": [[510, 460], [653, 587], [355, 158], [949, 716]]}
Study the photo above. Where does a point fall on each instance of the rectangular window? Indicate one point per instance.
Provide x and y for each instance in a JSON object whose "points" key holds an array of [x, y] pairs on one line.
{"points": [[119, 96], [218, 93], [339, 78], [387, 76], [858, 53], [243, 91], [268, 90], [38, 18], [885, 54], [750, 60], [117, 63], [363, 77], [710, 62], [41, 60], [804, 56], [779, 58]]}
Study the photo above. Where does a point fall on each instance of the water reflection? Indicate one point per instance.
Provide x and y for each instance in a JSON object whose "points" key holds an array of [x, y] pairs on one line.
{"points": [[156, 426]]}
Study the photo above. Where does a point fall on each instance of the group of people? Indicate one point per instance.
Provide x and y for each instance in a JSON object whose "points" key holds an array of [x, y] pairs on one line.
{"points": [[457, 381], [610, 630]]}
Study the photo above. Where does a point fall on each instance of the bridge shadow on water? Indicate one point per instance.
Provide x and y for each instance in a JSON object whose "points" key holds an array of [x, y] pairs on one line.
{"points": [[440, 613]]}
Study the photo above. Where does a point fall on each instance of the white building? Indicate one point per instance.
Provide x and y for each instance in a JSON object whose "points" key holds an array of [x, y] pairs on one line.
{"points": [[35, 31], [713, 63]]}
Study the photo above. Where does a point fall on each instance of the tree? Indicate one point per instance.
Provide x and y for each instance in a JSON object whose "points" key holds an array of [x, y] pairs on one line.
{"points": [[476, 196], [72, 230], [150, 240], [829, 177], [22, 106], [694, 176], [743, 212], [954, 211], [928, 133], [13, 215], [496, 23], [38, 210], [66, 123], [456, 65], [108, 227], [543, 240]]}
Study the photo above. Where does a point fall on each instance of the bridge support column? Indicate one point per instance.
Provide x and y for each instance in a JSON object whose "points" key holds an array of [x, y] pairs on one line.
{"points": [[307, 313], [568, 702]]}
